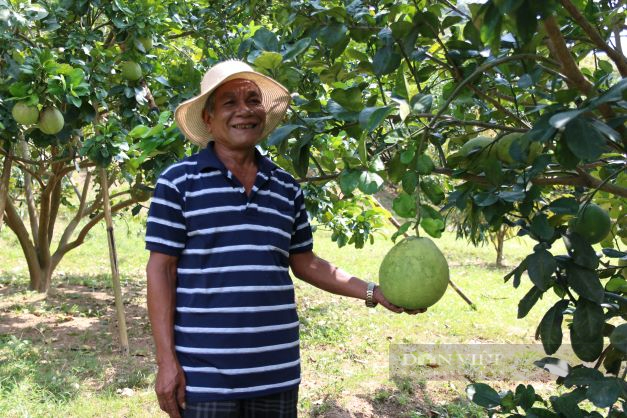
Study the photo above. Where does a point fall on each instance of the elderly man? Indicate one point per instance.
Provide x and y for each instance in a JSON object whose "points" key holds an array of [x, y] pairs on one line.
{"points": [[224, 227]]}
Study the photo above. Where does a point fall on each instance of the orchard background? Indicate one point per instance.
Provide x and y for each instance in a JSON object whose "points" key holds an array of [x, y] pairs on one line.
{"points": [[387, 96]]}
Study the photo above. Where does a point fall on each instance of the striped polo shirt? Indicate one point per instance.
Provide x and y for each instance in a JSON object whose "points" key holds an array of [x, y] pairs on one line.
{"points": [[236, 327]]}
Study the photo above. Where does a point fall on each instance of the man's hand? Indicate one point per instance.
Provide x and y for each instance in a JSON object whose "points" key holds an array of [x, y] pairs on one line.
{"points": [[380, 299], [170, 388]]}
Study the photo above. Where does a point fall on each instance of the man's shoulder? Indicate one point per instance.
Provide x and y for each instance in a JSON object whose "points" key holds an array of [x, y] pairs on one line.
{"points": [[285, 177], [187, 165]]}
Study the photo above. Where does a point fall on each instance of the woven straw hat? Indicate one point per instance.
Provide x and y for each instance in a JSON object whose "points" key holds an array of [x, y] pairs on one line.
{"points": [[274, 96]]}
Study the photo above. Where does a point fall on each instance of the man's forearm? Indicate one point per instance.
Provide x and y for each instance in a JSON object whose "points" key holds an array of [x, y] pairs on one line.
{"points": [[161, 301], [326, 276]]}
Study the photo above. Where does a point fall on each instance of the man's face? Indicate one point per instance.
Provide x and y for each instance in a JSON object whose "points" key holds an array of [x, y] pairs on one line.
{"points": [[238, 117]]}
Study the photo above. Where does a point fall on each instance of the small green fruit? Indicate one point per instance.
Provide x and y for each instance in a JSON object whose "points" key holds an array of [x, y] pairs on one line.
{"points": [[146, 42], [131, 70], [51, 121], [140, 193], [504, 146], [25, 114], [414, 274], [477, 143], [592, 222]]}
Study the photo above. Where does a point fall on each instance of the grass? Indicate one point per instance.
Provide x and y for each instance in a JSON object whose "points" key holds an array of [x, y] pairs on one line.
{"points": [[59, 355]]}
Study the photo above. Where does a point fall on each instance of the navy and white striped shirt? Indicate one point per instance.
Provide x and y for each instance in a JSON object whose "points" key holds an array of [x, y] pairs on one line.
{"points": [[236, 327]]}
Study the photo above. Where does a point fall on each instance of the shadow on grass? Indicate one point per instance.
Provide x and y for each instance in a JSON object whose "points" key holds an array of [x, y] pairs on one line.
{"points": [[405, 399], [55, 347]]}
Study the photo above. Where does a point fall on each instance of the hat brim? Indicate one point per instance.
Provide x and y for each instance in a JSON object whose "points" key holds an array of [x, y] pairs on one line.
{"points": [[274, 96]]}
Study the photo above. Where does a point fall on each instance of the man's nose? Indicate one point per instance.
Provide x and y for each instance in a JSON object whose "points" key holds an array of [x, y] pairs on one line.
{"points": [[243, 107]]}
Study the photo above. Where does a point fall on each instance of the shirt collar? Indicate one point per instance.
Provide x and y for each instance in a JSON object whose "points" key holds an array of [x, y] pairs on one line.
{"points": [[207, 158]]}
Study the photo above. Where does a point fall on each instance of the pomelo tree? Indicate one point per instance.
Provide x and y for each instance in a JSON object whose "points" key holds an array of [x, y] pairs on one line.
{"points": [[386, 94], [390, 93]]}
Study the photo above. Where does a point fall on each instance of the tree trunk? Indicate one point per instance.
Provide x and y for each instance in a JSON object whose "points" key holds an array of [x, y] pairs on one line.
{"points": [[500, 244]]}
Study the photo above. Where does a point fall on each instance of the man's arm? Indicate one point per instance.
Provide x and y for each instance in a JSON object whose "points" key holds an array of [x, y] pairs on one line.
{"points": [[161, 299], [314, 270]]}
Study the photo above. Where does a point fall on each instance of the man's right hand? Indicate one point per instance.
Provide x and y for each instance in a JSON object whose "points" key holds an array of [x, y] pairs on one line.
{"points": [[170, 388]]}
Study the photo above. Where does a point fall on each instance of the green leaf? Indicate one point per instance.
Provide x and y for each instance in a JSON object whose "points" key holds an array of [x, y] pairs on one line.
{"points": [[349, 180], [551, 327], [585, 282], [432, 190], [580, 250], [586, 331], [334, 34], [265, 40], [370, 183], [349, 98], [560, 120], [432, 226], [269, 61], [483, 395], [604, 393], [564, 206], [582, 376], [371, 117], [541, 228], [528, 301], [618, 338], [404, 205], [386, 60], [281, 134], [542, 265], [421, 103], [584, 140], [409, 182], [424, 164], [296, 49]]}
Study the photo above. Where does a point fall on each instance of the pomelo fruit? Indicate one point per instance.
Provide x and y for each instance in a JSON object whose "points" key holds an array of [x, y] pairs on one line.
{"points": [[475, 161], [140, 193], [25, 114], [414, 273], [592, 222], [50, 121], [476, 143], [530, 149], [503, 145], [146, 42], [131, 70]]}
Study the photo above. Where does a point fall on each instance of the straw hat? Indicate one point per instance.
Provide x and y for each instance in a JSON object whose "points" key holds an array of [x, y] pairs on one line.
{"points": [[274, 96]]}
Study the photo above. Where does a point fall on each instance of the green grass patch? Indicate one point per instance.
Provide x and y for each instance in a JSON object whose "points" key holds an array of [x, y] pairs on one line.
{"points": [[65, 361]]}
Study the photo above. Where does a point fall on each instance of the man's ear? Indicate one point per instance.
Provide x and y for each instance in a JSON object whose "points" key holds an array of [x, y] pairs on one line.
{"points": [[206, 117]]}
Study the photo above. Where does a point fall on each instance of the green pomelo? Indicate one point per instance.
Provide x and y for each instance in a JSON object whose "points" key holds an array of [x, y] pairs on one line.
{"points": [[476, 143], [140, 193], [592, 222], [503, 145], [414, 273], [530, 149], [51, 121], [131, 70], [25, 114], [146, 43]]}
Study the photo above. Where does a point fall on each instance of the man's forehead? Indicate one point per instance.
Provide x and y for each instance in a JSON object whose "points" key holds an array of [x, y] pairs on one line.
{"points": [[238, 84]]}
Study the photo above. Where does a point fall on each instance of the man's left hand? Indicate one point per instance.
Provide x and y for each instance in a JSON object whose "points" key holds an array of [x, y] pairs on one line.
{"points": [[380, 299]]}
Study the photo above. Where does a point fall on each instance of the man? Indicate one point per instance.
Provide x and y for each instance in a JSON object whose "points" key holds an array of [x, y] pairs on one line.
{"points": [[224, 227]]}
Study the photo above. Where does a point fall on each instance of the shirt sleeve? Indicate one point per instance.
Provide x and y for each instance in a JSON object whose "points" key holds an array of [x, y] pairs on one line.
{"points": [[166, 230], [302, 239]]}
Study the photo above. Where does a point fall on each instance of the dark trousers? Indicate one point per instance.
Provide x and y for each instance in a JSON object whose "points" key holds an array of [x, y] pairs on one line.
{"points": [[277, 405]]}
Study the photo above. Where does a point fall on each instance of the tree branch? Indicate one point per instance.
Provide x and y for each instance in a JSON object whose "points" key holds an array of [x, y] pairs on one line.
{"points": [[558, 48], [61, 251], [595, 37], [4, 185]]}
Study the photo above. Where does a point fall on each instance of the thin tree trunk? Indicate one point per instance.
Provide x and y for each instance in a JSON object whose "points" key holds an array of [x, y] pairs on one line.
{"points": [[115, 273], [4, 184], [500, 244]]}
